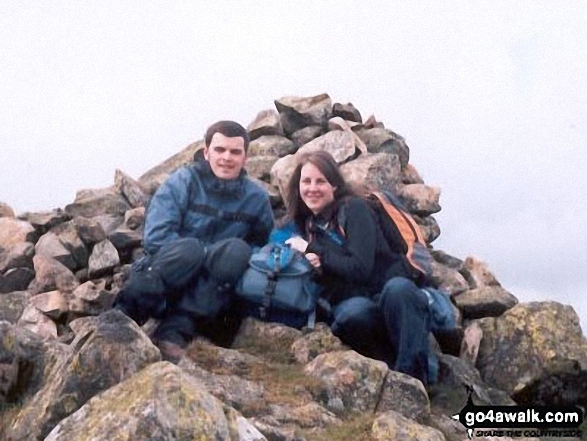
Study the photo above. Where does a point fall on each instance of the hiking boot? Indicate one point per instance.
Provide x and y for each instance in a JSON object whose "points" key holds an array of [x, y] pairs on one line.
{"points": [[170, 351]]}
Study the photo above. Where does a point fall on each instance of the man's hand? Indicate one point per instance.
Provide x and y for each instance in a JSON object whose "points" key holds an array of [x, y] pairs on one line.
{"points": [[297, 243], [314, 260]]}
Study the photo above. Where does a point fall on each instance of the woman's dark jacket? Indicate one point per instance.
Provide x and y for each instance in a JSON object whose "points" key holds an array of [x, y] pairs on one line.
{"points": [[363, 262]]}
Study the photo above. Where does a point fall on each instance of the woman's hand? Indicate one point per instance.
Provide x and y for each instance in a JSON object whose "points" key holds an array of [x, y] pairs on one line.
{"points": [[297, 243], [314, 260]]}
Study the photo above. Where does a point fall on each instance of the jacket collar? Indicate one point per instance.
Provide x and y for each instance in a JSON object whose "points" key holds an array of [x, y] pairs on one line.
{"points": [[223, 187]]}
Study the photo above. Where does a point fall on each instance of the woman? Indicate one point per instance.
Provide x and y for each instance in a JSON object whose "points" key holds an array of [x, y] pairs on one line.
{"points": [[375, 308]]}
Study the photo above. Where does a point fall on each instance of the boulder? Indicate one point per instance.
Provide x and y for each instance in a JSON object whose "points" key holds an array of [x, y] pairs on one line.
{"points": [[63, 244], [124, 239], [394, 426], [340, 144], [51, 275], [43, 221], [337, 123], [282, 171], [385, 141], [13, 304], [537, 352], [372, 123], [310, 415], [90, 203], [16, 279], [429, 227], [37, 322], [152, 179], [13, 231], [266, 123], [113, 351], [161, 402], [53, 304], [232, 390], [135, 218], [259, 167], [404, 394], [28, 357], [410, 175], [477, 273], [255, 333], [447, 260], [449, 395], [377, 171], [6, 210], [91, 298], [351, 382], [130, 189], [103, 259], [447, 279], [319, 341], [420, 199], [297, 112], [271, 146], [305, 135], [90, 231], [347, 112], [487, 301], [19, 255]]}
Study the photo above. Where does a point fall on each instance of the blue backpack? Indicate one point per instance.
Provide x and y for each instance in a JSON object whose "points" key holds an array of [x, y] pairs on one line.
{"points": [[281, 279]]}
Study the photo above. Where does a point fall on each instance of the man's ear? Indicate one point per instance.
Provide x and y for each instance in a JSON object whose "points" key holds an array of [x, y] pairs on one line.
{"points": [[206, 153]]}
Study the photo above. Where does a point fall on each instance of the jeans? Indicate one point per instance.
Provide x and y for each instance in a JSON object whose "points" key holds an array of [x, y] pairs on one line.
{"points": [[392, 327], [184, 284]]}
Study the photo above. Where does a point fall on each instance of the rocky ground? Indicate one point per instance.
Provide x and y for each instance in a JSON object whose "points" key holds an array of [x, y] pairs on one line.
{"points": [[72, 368]]}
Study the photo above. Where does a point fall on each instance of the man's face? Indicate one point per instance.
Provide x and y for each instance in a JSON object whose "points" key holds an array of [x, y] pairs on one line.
{"points": [[226, 155]]}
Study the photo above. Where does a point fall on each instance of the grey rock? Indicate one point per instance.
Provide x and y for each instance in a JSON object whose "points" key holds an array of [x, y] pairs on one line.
{"points": [[537, 352], [487, 301], [429, 227], [297, 112], [266, 123], [95, 364], [12, 305], [347, 111], [103, 259], [394, 426], [378, 171], [6, 210], [90, 203], [404, 394], [90, 231], [13, 231], [271, 146], [132, 191], [385, 141], [259, 167], [305, 135], [45, 220], [152, 179], [420, 199], [51, 275], [16, 279], [134, 218], [349, 378], [19, 255]]}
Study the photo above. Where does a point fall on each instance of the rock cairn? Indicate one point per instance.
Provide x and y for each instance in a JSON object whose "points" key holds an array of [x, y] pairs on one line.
{"points": [[73, 369]]}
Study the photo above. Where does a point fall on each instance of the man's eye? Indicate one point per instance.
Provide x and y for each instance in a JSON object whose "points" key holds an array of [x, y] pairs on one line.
{"points": [[236, 152]]}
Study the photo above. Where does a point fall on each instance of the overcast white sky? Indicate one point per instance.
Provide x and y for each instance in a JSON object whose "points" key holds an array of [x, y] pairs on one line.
{"points": [[491, 97]]}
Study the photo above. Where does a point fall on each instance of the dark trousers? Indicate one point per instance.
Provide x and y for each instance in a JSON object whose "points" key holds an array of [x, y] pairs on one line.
{"points": [[393, 327], [187, 285]]}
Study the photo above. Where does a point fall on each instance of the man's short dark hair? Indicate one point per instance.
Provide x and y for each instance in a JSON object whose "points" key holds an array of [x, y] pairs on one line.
{"points": [[229, 129]]}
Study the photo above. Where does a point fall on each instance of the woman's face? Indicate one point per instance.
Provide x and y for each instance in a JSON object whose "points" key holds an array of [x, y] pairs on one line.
{"points": [[315, 190]]}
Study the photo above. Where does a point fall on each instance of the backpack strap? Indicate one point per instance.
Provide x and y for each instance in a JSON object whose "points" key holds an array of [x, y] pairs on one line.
{"points": [[406, 226]]}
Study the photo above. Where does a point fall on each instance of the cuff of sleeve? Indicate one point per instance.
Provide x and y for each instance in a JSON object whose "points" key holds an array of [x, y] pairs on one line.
{"points": [[315, 248]]}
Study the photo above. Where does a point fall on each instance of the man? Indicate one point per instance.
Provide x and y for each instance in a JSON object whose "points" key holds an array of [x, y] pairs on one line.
{"points": [[198, 231]]}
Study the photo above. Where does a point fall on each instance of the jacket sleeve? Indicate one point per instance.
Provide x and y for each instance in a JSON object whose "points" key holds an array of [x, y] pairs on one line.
{"points": [[259, 234], [166, 211], [354, 261]]}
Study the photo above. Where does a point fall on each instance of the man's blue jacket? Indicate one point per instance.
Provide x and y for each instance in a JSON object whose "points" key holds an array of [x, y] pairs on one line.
{"points": [[194, 202]]}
